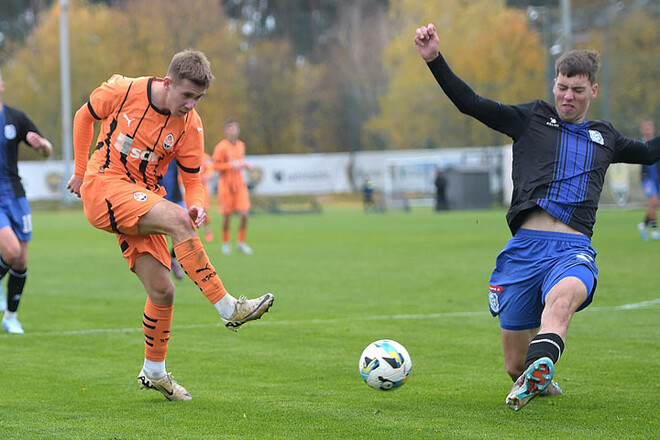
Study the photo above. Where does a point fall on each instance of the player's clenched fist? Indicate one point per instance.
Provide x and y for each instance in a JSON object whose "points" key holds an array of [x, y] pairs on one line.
{"points": [[427, 42]]}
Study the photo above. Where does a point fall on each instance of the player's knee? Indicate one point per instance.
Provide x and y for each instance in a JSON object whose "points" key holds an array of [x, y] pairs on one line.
{"points": [[13, 256], [162, 291], [180, 220], [560, 305]]}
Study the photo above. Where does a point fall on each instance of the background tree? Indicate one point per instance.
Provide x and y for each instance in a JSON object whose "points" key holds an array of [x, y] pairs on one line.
{"points": [[106, 40], [634, 71], [17, 19], [327, 75], [32, 74], [359, 37], [339, 66], [202, 25], [272, 123], [501, 58]]}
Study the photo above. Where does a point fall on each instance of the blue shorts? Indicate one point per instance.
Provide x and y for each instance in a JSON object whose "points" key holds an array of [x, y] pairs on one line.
{"points": [[651, 187], [15, 213], [530, 264]]}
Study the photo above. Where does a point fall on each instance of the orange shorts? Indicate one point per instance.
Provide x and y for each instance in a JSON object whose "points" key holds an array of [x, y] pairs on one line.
{"points": [[232, 200], [115, 205]]}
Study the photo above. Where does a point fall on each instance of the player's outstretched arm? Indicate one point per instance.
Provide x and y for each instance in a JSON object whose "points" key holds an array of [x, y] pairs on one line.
{"points": [[427, 42]]}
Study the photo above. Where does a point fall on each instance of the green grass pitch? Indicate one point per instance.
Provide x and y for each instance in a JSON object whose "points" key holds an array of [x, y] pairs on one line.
{"points": [[342, 279]]}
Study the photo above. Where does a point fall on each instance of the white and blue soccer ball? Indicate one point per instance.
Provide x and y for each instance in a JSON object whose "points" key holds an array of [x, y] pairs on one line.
{"points": [[385, 365]]}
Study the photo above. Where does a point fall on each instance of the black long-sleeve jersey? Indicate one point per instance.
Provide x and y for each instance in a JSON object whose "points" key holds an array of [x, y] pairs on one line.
{"points": [[557, 166], [15, 126]]}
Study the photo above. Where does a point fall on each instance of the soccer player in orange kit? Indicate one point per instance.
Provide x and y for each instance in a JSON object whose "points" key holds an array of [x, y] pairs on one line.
{"points": [[233, 195], [145, 123]]}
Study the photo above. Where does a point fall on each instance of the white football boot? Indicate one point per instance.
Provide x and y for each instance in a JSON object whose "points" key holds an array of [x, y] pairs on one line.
{"points": [[655, 234], [166, 385], [242, 247], [248, 310], [12, 325]]}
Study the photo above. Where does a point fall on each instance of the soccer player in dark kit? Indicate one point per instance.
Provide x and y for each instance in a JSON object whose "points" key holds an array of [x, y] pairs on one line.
{"points": [[547, 270], [15, 216]]}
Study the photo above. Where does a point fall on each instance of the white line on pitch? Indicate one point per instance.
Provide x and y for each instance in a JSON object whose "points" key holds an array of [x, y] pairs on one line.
{"points": [[639, 305], [634, 306]]}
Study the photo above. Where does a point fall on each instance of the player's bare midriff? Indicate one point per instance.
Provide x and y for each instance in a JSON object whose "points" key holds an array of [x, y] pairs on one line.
{"points": [[540, 220]]}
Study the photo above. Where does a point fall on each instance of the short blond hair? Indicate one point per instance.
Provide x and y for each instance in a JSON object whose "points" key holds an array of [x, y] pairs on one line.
{"points": [[192, 65]]}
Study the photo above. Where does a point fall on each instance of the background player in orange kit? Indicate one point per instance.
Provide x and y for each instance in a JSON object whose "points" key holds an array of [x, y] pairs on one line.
{"points": [[207, 173], [145, 123], [233, 195]]}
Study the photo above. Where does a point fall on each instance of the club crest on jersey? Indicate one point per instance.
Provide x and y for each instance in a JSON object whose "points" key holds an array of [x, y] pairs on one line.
{"points": [[168, 142], [140, 196], [10, 132], [596, 137]]}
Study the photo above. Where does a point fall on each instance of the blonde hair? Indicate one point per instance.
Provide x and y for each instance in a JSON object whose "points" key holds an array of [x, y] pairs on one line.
{"points": [[192, 65]]}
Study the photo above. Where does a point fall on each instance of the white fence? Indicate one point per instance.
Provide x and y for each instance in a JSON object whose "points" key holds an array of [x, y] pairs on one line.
{"points": [[329, 173]]}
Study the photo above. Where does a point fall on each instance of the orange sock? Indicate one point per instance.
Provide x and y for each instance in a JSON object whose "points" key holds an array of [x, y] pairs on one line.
{"points": [[225, 236], [156, 323], [241, 235], [192, 257]]}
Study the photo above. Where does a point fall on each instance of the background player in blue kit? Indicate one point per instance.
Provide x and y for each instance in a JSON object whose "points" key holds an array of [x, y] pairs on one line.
{"points": [[15, 219], [547, 270], [650, 175]]}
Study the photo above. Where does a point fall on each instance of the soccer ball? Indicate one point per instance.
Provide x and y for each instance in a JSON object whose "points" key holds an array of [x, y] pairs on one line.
{"points": [[385, 365]]}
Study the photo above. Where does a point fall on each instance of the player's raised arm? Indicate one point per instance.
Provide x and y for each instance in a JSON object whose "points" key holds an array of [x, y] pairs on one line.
{"points": [[506, 119]]}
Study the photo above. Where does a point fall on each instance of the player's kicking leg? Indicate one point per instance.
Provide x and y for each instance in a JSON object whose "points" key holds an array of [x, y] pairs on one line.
{"points": [[193, 259], [531, 383]]}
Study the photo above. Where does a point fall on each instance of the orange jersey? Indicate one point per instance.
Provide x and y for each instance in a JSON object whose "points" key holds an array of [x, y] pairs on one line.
{"points": [[137, 140], [223, 154], [207, 167]]}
